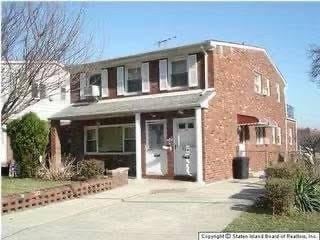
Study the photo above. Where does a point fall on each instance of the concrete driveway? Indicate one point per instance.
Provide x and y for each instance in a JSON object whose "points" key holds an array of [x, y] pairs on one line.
{"points": [[146, 209]]}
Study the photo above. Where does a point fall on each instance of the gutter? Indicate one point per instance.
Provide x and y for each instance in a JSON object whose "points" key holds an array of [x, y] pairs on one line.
{"points": [[206, 83]]}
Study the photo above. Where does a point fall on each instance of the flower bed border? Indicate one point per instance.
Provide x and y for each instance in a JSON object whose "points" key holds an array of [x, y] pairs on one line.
{"points": [[21, 201]]}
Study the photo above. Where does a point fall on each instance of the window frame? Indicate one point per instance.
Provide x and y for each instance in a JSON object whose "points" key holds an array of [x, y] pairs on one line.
{"points": [[126, 79], [278, 92], [260, 130], [290, 136], [256, 74], [96, 127], [176, 59]]}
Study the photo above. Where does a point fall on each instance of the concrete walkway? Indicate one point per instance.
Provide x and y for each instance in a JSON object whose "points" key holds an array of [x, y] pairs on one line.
{"points": [[147, 209]]}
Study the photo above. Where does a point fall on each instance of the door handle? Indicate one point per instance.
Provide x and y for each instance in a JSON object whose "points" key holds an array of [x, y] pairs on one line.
{"points": [[156, 155]]}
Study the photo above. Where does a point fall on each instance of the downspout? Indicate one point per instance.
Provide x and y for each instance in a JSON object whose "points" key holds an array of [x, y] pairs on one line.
{"points": [[286, 122], [206, 84]]}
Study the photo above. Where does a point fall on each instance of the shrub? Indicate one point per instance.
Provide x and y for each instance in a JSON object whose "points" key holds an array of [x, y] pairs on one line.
{"points": [[29, 138], [280, 193], [307, 194], [66, 172], [286, 170], [88, 169]]}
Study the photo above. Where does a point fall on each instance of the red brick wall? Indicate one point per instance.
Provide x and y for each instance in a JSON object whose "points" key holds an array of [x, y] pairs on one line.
{"points": [[153, 78], [231, 73]]}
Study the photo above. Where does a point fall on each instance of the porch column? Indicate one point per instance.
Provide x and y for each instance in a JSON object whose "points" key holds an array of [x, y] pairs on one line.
{"points": [[199, 145], [55, 144], [138, 145]]}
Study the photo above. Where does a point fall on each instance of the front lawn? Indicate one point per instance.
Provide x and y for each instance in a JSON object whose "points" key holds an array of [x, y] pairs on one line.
{"points": [[19, 185], [258, 220]]}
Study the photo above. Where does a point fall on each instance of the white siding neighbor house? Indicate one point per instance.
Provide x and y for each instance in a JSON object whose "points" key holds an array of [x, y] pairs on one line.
{"points": [[46, 100]]}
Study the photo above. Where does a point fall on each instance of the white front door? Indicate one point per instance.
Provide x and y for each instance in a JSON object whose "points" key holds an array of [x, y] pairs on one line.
{"points": [[185, 162], [156, 156]]}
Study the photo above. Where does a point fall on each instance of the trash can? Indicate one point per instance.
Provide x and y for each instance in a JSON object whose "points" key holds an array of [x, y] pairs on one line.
{"points": [[240, 167]]}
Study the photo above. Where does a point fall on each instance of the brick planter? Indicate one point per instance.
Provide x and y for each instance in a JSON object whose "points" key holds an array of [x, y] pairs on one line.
{"points": [[42, 197]]}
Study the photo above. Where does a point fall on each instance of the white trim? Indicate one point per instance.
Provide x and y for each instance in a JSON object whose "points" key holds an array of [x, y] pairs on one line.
{"points": [[96, 127], [198, 125], [138, 145], [149, 96]]}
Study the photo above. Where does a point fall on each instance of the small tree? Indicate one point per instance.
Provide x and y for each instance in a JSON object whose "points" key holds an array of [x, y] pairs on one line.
{"points": [[29, 137]]}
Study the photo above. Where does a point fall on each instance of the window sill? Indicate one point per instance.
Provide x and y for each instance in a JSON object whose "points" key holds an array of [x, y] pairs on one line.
{"points": [[109, 153], [131, 93]]}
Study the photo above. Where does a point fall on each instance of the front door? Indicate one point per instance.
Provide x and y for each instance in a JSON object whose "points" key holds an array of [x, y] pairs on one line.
{"points": [[156, 156], [185, 162]]}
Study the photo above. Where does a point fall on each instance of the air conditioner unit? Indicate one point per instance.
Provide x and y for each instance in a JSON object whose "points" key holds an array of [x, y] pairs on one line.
{"points": [[92, 91], [265, 92]]}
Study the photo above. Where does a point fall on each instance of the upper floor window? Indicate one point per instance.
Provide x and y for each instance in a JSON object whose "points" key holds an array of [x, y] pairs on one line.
{"points": [[258, 83], [179, 73], [260, 134], [133, 80], [278, 92], [267, 88]]}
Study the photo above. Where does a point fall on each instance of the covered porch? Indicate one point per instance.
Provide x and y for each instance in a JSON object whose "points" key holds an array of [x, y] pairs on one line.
{"points": [[155, 136]]}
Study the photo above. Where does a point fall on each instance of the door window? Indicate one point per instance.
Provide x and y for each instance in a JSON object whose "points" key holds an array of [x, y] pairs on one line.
{"points": [[156, 136]]}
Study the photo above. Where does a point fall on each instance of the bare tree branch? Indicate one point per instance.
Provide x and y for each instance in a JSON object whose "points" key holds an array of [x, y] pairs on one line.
{"points": [[36, 39], [315, 64]]}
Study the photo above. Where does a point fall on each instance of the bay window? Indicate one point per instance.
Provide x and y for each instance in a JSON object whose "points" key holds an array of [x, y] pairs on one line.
{"points": [[110, 139]]}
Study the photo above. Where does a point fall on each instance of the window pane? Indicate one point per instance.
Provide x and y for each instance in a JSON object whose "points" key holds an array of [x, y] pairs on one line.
{"points": [[190, 125], [91, 134], [179, 66], [134, 73], [129, 133], [110, 139], [91, 146], [179, 80], [134, 85], [182, 126], [129, 145], [156, 136]]}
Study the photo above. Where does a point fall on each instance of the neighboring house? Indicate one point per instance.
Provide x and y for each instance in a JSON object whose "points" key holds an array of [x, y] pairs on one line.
{"points": [[180, 112], [45, 102]]}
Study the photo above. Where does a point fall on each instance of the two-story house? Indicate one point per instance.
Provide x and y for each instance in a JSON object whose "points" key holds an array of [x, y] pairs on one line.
{"points": [[182, 112], [49, 94]]}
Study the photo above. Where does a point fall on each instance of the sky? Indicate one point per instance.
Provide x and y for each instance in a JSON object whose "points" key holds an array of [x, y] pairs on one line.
{"points": [[286, 30]]}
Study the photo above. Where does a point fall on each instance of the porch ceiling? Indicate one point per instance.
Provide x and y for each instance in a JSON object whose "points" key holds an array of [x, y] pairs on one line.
{"points": [[131, 105]]}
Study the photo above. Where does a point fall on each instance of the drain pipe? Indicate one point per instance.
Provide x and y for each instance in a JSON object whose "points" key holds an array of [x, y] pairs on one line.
{"points": [[206, 84]]}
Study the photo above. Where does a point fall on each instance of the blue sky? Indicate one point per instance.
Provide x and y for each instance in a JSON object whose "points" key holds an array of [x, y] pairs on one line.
{"points": [[286, 30]]}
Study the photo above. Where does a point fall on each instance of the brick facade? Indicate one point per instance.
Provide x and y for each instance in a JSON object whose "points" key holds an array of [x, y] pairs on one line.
{"points": [[153, 79], [231, 72]]}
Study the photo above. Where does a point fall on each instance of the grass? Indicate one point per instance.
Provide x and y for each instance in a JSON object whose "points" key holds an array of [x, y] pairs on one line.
{"points": [[19, 185], [260, 220]]}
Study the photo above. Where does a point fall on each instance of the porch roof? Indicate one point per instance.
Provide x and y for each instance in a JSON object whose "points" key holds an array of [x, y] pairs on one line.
{"points": [[130, 105]]}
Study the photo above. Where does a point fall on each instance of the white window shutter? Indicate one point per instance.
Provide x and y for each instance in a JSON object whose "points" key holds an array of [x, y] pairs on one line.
{"points": [[192, 71], [104, 83], [145, 77], [163, 74], [120, 80], [83, 85]]}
